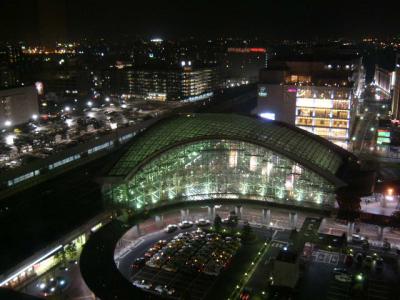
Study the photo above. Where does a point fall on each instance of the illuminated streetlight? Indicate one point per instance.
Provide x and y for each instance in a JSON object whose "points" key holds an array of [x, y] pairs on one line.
{"points": [[68, 122], [389, 194], [7, 123], [10, 139]]}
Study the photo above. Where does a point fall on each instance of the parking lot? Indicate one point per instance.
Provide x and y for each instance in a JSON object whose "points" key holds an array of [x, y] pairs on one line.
{"points": [[361, 279], [185, 281], [188, 263]]}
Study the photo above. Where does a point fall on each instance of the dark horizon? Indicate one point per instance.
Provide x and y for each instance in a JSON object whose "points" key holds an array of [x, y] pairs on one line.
{"points": [[44, 20]]}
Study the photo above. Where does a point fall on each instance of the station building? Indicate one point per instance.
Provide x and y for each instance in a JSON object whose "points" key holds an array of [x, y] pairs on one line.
{"points": [[224, 156]]}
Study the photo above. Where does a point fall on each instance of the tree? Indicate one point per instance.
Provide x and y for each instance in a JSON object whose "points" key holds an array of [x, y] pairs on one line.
{"points": [[71, 251], [246, 230], [217, 222]]}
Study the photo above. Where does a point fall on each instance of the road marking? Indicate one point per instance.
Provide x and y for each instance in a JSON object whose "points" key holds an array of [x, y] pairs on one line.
{"points": [[124, 252], [326, 257]]}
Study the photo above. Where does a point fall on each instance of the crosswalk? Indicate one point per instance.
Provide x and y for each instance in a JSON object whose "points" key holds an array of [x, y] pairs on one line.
{"points": [[278, 244], [378, 290], [338, 290]]}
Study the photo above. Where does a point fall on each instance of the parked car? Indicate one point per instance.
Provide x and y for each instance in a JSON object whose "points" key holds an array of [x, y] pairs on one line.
{"points": [[185, 224], [164, 290], [367, 263], [343, 277], [379, 264], [139, 263], [359, 258], [203, 222], [357, 238], [142, 284], [340, 271], [348, 261], [171, 228]]}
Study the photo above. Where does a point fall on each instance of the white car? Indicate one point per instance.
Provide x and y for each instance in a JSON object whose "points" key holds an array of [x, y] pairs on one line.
{"points": [[142, 284], [171, 228], [203, 222], [185, 224], [343, 277], [164, 290], [357, 238]]}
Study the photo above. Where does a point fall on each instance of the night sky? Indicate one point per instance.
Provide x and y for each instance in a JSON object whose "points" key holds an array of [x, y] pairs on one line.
{"points": [[34, 19]]}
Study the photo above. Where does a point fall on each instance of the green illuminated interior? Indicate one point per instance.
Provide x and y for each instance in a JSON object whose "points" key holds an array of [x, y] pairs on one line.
{"points": [[291, 142], [222, 168]]}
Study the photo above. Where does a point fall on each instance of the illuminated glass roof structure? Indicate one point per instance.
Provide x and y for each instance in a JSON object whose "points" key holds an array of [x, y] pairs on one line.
{"points": [[310, 151]]}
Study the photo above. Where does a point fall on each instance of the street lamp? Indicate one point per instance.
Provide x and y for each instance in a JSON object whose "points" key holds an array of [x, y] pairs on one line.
{"points": [[7, 123], [389, 194]]}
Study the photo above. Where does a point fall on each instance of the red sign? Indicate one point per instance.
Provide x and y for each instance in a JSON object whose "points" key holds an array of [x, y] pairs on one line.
{"points": [[260, 50], [247, 50]]}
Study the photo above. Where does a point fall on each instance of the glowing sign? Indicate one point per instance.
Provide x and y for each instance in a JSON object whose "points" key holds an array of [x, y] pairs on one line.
{"points": [[39, 87], [267, 115], [384, 133], [247, 50], [260, 50], [383, 140], [292, 90], [262, 91], [314, 102]]}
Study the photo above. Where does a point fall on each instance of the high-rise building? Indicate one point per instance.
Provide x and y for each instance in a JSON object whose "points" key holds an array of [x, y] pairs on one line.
{"points": [[11, 66], [185, 82], [18, 105], [317, 94], [387, 86], [241, 65]]}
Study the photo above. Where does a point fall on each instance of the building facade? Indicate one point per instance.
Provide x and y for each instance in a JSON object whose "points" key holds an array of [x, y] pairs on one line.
{"points": [[18, 105], [317, 95], [220, 156], [241, 65], [387, 86], [185, 82]]}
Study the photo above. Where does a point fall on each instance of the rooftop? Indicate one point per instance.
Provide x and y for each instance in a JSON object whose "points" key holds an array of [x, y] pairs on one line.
{"points": [[307, 149]]}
